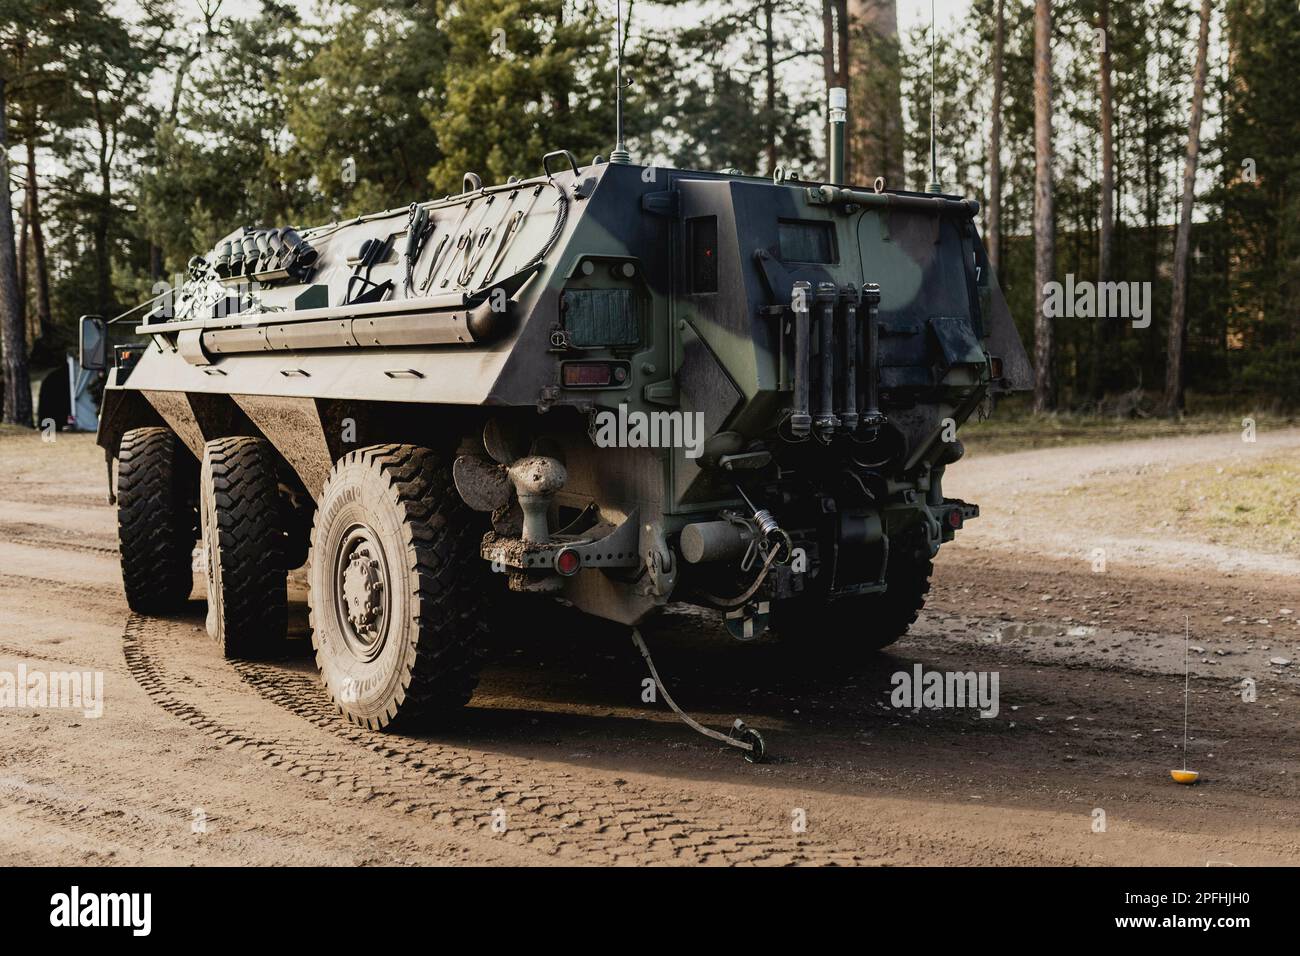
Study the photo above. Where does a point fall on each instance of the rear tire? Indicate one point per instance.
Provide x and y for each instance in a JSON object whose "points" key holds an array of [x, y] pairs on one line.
{"points": [[397, 586], [244, 544], [157, 519], [856, 625]]}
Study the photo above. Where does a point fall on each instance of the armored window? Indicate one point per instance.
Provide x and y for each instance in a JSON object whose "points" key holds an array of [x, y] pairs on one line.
{"points": [[802, 241], [600, 317], [702, 251]]}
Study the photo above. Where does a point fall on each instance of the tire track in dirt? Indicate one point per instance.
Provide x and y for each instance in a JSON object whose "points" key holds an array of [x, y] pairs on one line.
{"points": [[113, 826], [620, 815], [88, 814], [39, 536], [53, 584], [51, 655], [79, 502], [726, 838], [575, 820]]}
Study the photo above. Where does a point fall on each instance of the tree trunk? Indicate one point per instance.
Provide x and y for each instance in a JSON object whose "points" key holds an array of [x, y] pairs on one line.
{"points": [[875, 129], [1105, 232], [1103, 335], [835, 43], [1178, 308], [1044, 223], [769, 76], [103, 212], [24, 231], [828, 43], [18, 385], [993, 227], [40, 265]]}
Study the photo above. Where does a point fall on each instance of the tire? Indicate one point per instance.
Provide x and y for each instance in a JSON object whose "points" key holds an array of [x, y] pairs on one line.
{"points": [[856, 625], [396, 588], [243, 542], [157, 519]]}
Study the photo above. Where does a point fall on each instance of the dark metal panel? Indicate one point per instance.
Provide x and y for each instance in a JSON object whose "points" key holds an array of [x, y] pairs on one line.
{"points": [[294, 427]]}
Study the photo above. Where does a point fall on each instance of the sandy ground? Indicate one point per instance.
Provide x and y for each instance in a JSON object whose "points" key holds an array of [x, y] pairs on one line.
{"points": [[195, 760]]}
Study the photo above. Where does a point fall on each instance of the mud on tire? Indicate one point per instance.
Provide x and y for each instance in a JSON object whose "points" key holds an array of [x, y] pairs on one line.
{"points": [[397, 588], [157, 519], [244, 545]]}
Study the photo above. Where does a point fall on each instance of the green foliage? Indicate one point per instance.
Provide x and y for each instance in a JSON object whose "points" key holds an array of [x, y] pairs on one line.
{"points": [[224, 159], [358, 108], [701, 97], [162, 125], [1260, 146], [523, 78]]}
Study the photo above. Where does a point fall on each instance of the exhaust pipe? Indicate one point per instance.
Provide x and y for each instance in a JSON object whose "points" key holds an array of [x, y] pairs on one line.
{"points": [[871, 301], [800, 420], [849, 342], [826, 296]]}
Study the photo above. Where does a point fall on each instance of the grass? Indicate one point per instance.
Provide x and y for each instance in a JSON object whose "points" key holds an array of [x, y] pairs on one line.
{"points": [[1252, 504], [1013, 427]]}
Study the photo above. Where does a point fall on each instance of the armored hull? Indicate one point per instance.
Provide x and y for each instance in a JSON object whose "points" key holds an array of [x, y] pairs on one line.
{"points": [[631, 384]]}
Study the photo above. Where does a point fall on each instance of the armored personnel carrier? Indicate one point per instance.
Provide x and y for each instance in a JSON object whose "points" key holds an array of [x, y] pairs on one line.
{"points": [[611, 384]]}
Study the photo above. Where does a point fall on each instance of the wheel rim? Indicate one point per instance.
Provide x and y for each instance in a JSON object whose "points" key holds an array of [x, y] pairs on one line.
{"points": [[361, 592]]}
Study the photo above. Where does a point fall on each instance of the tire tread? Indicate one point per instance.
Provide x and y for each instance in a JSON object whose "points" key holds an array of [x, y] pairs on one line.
{"points": [[157, 521], [250, 541]]}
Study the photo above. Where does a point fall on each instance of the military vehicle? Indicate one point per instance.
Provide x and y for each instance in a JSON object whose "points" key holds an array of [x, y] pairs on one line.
{"points": [[614, 385]]}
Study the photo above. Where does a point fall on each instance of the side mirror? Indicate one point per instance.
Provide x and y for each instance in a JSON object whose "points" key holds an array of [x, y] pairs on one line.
{"points": [[93, 343]]}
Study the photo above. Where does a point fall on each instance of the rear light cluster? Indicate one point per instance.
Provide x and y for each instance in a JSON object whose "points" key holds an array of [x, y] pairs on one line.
{"points": [[594, 374]]}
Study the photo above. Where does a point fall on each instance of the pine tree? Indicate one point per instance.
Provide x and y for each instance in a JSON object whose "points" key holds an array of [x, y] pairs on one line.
{"points": [[13, 334], [993, 216], [1044, 221], [523, 78], [876, 136], [358, 108], [1173, 401]]}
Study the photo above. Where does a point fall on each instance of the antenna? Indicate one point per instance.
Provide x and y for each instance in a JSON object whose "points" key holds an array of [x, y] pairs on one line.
{"points": [[1186, 776], [620, 153], [934, 185], [1187, 678]]}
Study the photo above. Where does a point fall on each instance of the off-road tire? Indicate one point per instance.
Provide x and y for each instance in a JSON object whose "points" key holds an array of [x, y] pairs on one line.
{"points": [[243, 544], [856, 625], [409, 651], [157, 519]]}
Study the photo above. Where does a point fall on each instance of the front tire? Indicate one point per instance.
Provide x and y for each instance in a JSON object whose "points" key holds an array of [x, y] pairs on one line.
{"points": [[396, 588], [243, 542], [157, 521]]}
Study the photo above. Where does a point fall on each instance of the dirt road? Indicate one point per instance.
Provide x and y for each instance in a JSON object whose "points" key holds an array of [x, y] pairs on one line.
{"points": [[1075, 604]]}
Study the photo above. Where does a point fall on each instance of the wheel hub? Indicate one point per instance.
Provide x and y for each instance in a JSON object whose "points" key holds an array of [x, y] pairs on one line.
{"points": [[362, 592]]}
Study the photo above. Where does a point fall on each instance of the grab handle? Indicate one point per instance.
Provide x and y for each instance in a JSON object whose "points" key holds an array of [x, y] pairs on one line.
{"points": [[546, 161]]}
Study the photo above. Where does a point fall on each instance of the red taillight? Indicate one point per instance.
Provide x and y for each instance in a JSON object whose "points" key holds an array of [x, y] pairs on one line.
{"points": [[567, 562], [587, 374], [954, 518]]}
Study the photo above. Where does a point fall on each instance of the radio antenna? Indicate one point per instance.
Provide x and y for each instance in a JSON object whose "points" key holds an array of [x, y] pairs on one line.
{"points": [[620, 153], [934, 185]]}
